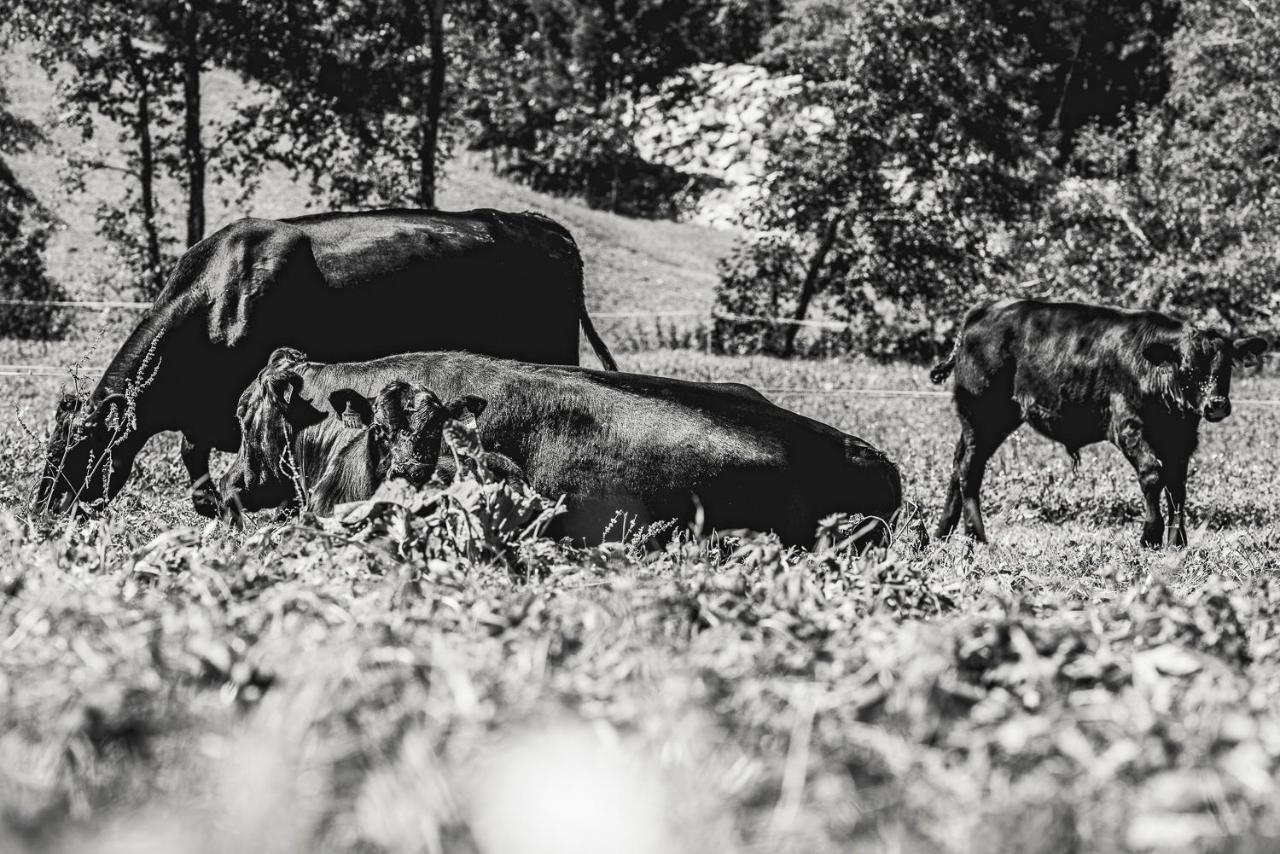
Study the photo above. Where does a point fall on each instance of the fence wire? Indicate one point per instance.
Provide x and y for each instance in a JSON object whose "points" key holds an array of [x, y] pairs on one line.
{"points": [[58, 371]]}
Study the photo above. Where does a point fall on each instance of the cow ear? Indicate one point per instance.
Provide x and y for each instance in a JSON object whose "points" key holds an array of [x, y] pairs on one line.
{"points": [[390, 406], [1250, 349], [1160, 353], [353, 408], [467, 403], [284, 387], [285, 356], [68, 404]]}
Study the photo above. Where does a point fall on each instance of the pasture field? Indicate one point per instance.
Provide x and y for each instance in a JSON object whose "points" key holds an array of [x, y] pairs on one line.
{"points": [[168, 686]]}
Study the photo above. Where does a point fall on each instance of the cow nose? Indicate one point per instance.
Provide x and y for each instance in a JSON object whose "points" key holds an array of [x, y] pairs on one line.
{"points": [[1217, 408]]}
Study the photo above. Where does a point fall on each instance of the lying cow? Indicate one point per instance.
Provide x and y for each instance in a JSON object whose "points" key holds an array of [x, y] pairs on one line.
{"points": [[1081, 374], [653, 448], [343, 286]]}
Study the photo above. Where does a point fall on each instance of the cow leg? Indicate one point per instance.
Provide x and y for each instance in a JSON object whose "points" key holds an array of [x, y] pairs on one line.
{"points": [[951, 508], [979, 448], [979, 439], [1127, 435], [204, 497], [1175, 489]]}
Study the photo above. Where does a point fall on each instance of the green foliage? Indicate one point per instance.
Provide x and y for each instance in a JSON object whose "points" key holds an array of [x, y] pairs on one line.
{"points": [[480, 516], [24, 231], [912, 143], [341, 93], [760, 279], [122, 62], [551, 83], [1179, 208], [1096, 63]]}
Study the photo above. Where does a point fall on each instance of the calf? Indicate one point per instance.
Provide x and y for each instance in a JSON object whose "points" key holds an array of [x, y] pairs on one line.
{"points": [[292, 448], [653, 448], [1081, 374]]}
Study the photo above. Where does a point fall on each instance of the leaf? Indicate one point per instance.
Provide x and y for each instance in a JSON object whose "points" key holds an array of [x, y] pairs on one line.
{"points": [[1169, 660]]}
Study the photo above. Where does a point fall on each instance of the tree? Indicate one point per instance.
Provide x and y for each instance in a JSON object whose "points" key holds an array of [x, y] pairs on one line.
{"points": [[139, 65], [355, 94], [908, 149], [433, 109], [553, 83], [1180, 206], [24, 230], [1099, 63]]}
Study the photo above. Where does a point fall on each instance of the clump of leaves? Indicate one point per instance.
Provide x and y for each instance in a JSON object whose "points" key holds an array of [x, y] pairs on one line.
{"points": [[479, 516]]}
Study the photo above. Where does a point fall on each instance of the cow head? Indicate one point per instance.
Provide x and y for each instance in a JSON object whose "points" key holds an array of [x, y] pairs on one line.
{"points": [[90, 452], [1201, 362], [271, 411], [413, 419]]}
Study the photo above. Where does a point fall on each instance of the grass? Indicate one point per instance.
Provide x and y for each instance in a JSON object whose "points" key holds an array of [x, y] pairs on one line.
{"points": [[169, 686]]}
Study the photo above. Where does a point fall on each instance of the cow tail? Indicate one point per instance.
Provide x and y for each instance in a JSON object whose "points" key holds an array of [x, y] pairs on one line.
{"points": [[588, 328]]}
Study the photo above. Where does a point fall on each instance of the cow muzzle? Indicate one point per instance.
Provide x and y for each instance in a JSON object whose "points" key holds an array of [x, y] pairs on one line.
{"points": [[1217, 408]]}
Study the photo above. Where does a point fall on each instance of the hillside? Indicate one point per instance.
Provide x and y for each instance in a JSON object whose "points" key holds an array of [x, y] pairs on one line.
{"points": [[632, 265]]}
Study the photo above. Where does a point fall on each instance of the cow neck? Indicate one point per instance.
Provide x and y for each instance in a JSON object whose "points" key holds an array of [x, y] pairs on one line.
{"points": [[130, 365]]}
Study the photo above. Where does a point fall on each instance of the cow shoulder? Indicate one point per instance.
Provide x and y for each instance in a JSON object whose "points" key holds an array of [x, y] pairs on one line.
{"points": [[250, 261]]}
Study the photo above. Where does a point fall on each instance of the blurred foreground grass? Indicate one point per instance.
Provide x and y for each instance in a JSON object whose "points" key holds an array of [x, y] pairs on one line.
{"points": [[167, 686]]}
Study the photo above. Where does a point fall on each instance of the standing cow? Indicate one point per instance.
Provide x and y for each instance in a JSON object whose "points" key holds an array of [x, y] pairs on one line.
{"points": [[1081, 374], [656, 449], [342, 286]]}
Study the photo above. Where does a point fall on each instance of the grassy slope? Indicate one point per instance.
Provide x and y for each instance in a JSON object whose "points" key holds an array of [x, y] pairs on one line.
{"points": [[166, 687], [631, 265]]}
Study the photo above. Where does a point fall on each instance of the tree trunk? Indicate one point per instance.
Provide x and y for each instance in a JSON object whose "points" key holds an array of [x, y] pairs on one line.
{"points": [[810, 284], [193, 148], [146, 165], [434, 105]]}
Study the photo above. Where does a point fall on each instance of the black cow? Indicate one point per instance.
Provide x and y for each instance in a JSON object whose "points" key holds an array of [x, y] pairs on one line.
{"points": [[343, 286], [1081, 374], [653, 448]]}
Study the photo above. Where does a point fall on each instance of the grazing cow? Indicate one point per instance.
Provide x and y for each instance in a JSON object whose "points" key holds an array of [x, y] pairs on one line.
{"points": [[1081, 374], [653, 448], [343, 286]]}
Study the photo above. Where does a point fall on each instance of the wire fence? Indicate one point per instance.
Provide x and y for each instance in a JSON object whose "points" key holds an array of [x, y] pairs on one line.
{"points": [[71, 303], [106, 305]]}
